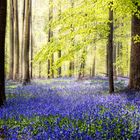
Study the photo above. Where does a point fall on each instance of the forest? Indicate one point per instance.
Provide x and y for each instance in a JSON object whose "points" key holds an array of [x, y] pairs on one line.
{"points": [[69, 69]]}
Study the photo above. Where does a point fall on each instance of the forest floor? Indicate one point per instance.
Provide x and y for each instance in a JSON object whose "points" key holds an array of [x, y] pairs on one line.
{"points": [[63, 108]]}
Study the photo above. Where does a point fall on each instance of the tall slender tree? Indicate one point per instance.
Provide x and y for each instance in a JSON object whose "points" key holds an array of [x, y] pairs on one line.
{"points": [[22, 42], [94, 62], [71, 63], [31, 42], [16, 41], [110, 50], [11, 58], [81, 73], [59, 69], [114, 61], [50, 35], [59, 51], [134, 82], [107, 60], [26, 72], [3, 13]]}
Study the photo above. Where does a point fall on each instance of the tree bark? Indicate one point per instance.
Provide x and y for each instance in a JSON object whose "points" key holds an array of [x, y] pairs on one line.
{"points": [[16, 41], [31, 43], [71, 64], [39, 70], [59, 51], [59, 69], [134, 82], [3, 14], [94, 63], [82, 66], [114, 62], [110, 51], [71, 68], [50, 35], [22, 43], [11, 58], [49, 65], [107, 60], [52, 62], [26, 73]]}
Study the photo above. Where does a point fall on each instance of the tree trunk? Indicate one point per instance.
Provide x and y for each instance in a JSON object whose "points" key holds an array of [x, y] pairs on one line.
{"points": [[71, 68], [26, 74], [52, 62], [50, 35], [114, 62], [82, 66], [59, 51], [49, 64], [31, 43], [110, 51], [39, 69], [59, 69], [119, 55], [16, 41], [71, 64], [94, 62], [22, 43], [11, 58], [134, 82], [3, 13], [107, 60]]}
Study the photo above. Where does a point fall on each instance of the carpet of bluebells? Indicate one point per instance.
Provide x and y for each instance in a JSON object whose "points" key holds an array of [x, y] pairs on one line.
{"points": [[66, 109]]}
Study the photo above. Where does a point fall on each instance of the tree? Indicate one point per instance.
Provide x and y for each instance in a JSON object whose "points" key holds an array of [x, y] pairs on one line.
{"points": [[114, 61], [16, 41], [71, 63], [59, 69], [107, 60], [3, 13], [50, 35], [22, 42], [110, 50], [26, 73], [31, 42], [59, 51], [11, 59], [81, 73], [94, 62], [39, 70], [134, 82]]}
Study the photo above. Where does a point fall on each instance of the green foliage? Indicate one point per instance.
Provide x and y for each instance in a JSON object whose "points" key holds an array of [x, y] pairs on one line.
{"points": [[77, 25]]}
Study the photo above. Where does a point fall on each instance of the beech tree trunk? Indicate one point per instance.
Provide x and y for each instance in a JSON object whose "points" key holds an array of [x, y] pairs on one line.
{"points": [[59, 69], [82, 66], [31, 43], [134, 82], [49, 68], [107, 60], [114, 61], [71, 68], [94, 63], [110, 51], [52, 62], [11, 56], [22, 43], [39, 70], [59, 51], [26, 73], [3, 13], [119, 55], [16, 41], [71, 64], [50, 35]]}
